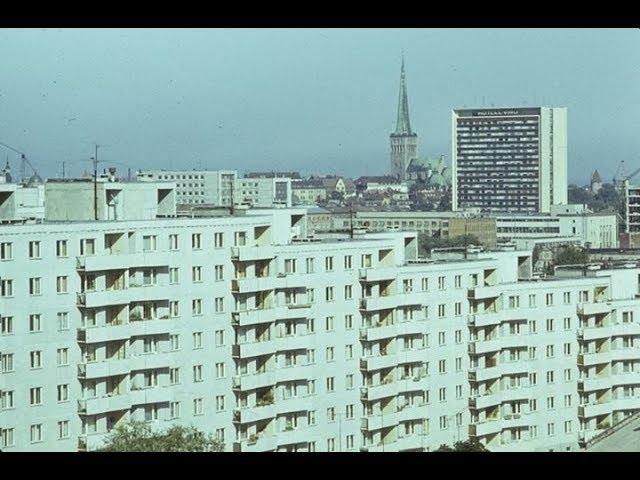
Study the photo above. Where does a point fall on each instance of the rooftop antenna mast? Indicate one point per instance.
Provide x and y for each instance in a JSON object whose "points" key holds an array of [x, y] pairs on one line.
{"points": [[95, 183]]}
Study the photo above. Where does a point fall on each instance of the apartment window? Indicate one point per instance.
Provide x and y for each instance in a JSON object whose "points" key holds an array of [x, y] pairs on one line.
{"points": [[61, 248], [441, 310], [218, 240], [149, 243], [532, 301], [550, 403], [348, 322], [442, 394], [62, 356], [34, 249], [219, 273], [458, 309], [567, 400], [329, 294], [350, 442], [311, 328], [174, 309], [533, 431], [549, 324], [330, 354], [425, 284], [348, 352], [174, 409], [532, 326], [6, 399], [532, 353], [550, 376], [549, 351], [329, 324], [174, 376], [311, 387], [197, 373], [87, 246], [63, 429], [36, 359], [196, 274], [533, 379], [627, 317], [61, 284], [240, 239], [550, 429], [567, 426], [6, 288], [219, 334], [443, 422], [197, 340], [347, 262], [328, 264], [197, 406], [36, 433], [34, 286], [35, 396], [533, 405], [196, 239], [6, 360], [442, 366], [331, 414], [514, 302], [567, 323], [63, 393], [407, 285], [441, 283], [348, 381], [331, 445], [6, 325], [441, 338], [365, 260], [6, 251], [151, 413], [290, 265], [567, 349], [566, 298], [220, 372], [173, 241], [63, 321], [196, 306], [584, 296], [549, 299], [567, 374], [219, 403], [348, 292], [173, 275], [330, 384]]}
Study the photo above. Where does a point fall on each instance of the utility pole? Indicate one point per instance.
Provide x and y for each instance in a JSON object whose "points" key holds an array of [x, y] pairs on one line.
{"points": [[63, 176], [95, 183]]}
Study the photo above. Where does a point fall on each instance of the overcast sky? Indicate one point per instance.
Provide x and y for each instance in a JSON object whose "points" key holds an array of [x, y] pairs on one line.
{"points": [[315, 100]]}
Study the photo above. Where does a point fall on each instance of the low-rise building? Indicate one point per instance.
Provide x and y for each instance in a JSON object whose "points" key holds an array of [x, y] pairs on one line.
{"points": [[196, 187]]}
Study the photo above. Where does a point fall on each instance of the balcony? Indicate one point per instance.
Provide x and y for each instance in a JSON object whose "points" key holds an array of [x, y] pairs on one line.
{"points": [[411, 327], [486, 427], [597, 308], [417, 411], [626, 378], [594, 358], [621, 403], [104, 368], [595, 383], [484, 319], [378, 421], [627, 328], [592, 333], [294, 372], [515, 420], [289, 312], [147, 361], [379, 391], [379, 303], [594, 409], [248, 254], [481, 374], [479, 347], [378, 362], [514, 394], [625, 354], [252, 317], [484, 400], [295, 436], [104, 333], [91, 441], [252, 381], [257, 443], [376, 274], [254, 414], [158, 326], [121, 261], [104, 404], [300, 403], [478, 293], [293, 342], [417, 355], [254, 349], [123, 296], [151, 395], [254, 284], [371, 334]]}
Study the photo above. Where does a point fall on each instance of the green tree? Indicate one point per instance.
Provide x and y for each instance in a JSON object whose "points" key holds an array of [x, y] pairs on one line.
{"points": [[137, 436], [570, 255], [466, 446], [427, 242]]}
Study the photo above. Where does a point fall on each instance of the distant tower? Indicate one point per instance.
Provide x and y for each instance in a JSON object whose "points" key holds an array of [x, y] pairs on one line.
{"points": [[7, 172], [404, 143], [596, 182]]}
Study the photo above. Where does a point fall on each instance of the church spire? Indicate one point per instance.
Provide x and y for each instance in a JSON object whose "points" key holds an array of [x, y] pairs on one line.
{"points": [[403, 126]]}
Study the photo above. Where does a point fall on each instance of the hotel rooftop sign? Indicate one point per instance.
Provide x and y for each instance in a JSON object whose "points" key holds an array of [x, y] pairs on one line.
{"points": [[497, 112]]}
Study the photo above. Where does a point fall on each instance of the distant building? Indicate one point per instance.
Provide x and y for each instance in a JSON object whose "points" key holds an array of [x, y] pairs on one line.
{"points": [[596, 182], [196, 187], [291, 175], [509, 159], [380, 184], [308, 192], [404, 142], [263, 191]]}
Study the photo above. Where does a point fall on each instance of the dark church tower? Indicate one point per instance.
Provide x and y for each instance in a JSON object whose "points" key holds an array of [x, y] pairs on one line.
{"points": [[404, 143]]}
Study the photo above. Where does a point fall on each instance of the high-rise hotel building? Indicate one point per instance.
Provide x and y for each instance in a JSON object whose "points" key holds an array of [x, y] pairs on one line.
{"points": [[246, 327], [509, 159]]}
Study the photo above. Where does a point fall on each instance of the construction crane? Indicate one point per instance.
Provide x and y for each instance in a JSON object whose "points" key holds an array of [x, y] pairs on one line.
{"points": [[24, 162]]}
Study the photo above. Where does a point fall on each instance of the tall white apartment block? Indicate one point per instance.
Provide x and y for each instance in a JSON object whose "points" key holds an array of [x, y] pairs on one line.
{"points": [[509, 159], [197, 187], [248, 329]]}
